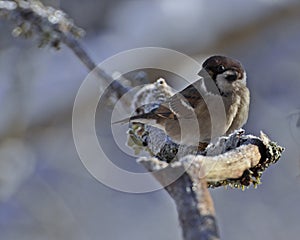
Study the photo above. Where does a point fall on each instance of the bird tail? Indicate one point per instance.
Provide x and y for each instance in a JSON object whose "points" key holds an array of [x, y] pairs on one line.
{"points": [[141, 118], [123, 121]]}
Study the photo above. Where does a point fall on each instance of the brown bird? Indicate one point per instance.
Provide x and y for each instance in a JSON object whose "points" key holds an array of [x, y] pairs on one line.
{"points": [[213, 106]]}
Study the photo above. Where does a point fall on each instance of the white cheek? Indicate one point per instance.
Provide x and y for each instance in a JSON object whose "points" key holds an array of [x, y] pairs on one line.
{"points": [[222, 82], [225, 85], [244, 79]]}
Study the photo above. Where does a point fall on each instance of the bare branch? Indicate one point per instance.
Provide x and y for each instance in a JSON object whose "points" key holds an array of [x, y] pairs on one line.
{"points": [[237, 160], [79, 51], [52, 27], [189, 191], [193, 201]]}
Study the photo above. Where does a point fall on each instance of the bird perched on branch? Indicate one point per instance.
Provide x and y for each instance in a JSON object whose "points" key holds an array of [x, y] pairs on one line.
{"points": [[215, 105]]}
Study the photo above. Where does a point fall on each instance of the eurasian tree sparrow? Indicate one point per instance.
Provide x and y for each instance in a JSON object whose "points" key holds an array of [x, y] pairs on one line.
{"points": [[215, 105]]}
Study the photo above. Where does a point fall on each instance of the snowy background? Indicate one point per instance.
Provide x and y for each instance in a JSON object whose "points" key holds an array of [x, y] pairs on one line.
{"points": [[45, 191]]}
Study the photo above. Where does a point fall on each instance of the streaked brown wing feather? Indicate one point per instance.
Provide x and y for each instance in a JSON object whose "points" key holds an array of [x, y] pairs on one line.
{"points": [[184, 102], [164, 112]]}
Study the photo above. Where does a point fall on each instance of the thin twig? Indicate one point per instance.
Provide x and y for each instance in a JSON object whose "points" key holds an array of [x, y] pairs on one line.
{"points": [[52, 27], [80, 52]]}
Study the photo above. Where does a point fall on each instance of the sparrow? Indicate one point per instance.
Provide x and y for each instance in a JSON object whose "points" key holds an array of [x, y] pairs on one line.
{"points": [[213, 106]]}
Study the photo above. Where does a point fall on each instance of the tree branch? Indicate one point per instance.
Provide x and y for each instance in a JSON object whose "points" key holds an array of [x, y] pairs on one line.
{"points": [[235, 168], [52, 27], [193, 201], [237, 160], [80, 52]]}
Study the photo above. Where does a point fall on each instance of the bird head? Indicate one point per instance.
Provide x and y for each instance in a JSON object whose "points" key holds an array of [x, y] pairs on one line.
{"points": [[227, 73]]}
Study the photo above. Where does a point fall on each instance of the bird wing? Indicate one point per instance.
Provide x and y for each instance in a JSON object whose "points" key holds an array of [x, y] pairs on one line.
{"points": [[182, 104]]}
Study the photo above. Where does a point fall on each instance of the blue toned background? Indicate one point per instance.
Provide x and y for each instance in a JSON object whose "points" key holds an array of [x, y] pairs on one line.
{"points": [[45, 191]]}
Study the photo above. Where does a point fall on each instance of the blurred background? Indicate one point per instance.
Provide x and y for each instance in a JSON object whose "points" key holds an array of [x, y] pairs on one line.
{"points": [[46, 192]]}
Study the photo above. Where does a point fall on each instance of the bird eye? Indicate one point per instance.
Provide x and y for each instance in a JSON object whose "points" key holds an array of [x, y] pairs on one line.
{"points": [[221, 68], [161, 81]]}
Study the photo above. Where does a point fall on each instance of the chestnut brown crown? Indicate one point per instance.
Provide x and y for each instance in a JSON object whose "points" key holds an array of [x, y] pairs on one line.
{"points": [[216, 65]]}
